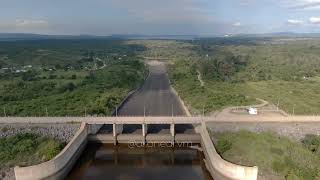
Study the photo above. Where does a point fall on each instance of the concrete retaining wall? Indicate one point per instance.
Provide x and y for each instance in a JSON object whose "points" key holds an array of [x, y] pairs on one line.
{"points": [[59, 167], [218, 167], [94, 129]]}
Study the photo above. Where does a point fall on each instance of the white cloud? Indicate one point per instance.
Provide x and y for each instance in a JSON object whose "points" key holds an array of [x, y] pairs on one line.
{"points": [[295, 22], [247, 2], [237, 24], [314, 20], [24, 25], [303, 4], [27, 23]]}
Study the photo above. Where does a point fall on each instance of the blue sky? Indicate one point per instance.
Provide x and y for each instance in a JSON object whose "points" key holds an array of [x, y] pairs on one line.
{"points": [[154, 17]]}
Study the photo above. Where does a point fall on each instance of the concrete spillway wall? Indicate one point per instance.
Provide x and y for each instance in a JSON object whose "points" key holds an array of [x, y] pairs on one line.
{"points": [[218, 167], [59, 167]]}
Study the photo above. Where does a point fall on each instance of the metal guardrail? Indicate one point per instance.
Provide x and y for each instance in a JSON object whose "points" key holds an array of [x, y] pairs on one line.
{"points": [[155, 120], [104, 120]]}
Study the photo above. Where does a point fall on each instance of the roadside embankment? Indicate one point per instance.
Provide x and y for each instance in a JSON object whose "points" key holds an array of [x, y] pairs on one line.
{"points": [[61, 132]]}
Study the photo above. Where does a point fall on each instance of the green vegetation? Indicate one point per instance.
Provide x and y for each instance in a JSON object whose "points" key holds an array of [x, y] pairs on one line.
{"points": [[236, 71], [213, 96], [91, 77], [312, 142], [73, 78], [276, 157], [27, 149], [64, 54]]}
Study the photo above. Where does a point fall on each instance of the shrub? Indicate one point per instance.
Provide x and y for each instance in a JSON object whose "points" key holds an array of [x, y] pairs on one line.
{"points": [[278, 166], [4, 129], [29, 76], [291, 176], [74, 76], [27, 149], [49, 148], [52, 76], [276, 151], [312, 142], [68, 87], [223, 146]]}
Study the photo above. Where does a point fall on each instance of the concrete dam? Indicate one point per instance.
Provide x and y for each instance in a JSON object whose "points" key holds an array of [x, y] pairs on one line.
{"points": [[150, 136], [149, 144]]}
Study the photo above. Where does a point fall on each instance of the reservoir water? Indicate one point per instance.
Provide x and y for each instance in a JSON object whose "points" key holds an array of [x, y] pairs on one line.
{"points": [[155, 162]]}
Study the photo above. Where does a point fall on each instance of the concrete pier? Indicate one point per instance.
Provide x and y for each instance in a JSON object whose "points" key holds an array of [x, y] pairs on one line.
{"points": [[143, 137], [144, 132]]}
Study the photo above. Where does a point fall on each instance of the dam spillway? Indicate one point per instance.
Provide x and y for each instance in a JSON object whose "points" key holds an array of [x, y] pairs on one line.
{"points": [[122, 162], [154, 98]]}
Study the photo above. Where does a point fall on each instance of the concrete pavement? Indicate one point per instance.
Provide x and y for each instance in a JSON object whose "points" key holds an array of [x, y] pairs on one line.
{"points": [[155, 98]]}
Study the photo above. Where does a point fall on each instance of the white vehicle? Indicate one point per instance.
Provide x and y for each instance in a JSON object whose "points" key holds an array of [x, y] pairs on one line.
{"points": [[252, 111]]}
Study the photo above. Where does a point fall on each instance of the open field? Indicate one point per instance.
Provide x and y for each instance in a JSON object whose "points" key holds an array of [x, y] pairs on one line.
{"points": [[237, 71], [277, 157]]}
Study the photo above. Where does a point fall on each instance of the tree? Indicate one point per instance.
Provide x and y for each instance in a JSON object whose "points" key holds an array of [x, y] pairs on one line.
{"points": [[29, 76], [68, 87]]}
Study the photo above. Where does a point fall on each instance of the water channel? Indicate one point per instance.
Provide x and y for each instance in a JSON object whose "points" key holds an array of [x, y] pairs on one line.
{"points": [[154, 162], [105, 161]]}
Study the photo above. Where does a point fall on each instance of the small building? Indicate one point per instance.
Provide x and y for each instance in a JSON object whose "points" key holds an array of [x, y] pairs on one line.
{"points": [[28, 66], [252, 111]]}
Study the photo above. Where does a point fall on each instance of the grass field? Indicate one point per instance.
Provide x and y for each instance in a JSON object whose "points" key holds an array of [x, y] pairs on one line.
{"points": [[277, 157], [27, 149]]}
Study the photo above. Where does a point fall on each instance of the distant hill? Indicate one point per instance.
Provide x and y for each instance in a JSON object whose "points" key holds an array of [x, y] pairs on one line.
{"points": [[165, 37], [25, 36], [281, 34]]}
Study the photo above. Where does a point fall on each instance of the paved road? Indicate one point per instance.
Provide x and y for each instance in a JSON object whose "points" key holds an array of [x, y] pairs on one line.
{"points": [[155, 96]]}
